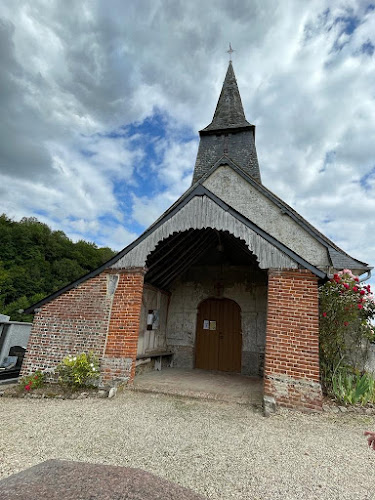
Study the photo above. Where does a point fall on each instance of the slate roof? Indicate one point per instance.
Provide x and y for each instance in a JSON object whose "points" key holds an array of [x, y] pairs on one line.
{"points": [[229, 111], [341, 260], [229, 133]]}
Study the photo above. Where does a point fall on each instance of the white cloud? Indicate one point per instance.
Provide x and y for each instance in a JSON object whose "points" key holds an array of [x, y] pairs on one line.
{"points": [[75, 73], [115, 236], [147, 210]]}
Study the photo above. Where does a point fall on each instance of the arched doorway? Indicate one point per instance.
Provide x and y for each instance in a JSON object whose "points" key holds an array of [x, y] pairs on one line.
{"points": [[218, 336]]}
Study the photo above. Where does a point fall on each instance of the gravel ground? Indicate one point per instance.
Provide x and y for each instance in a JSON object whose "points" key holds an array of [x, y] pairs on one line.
{"points": [[220, 450]]}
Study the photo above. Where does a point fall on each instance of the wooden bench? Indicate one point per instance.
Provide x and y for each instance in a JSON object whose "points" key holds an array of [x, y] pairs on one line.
{"points": [[157, 355]]}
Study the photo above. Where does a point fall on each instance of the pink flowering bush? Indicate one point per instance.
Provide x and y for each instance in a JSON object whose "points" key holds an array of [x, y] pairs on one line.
{"points": [[347, 307]]}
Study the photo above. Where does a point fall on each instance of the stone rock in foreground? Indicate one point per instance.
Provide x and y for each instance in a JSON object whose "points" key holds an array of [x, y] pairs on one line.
{"points": [[63, 480]]}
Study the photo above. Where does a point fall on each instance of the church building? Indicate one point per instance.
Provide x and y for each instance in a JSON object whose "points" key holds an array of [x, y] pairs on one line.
{"points": [[225, 280]]}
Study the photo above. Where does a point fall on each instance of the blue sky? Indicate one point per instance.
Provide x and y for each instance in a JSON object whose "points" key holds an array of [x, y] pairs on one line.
{"points": [[102, 106]]}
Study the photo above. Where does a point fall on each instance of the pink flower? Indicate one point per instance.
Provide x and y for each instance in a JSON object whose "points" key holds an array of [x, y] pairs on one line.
{"points": [[324, 315], [362, 292], [346, 286], [346, 323], [355, 289], [27, 387], [360, 306], [356, 279]]}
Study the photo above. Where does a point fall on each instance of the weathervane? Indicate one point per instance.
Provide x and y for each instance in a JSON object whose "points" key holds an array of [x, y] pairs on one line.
{"points": [[230, 52]]}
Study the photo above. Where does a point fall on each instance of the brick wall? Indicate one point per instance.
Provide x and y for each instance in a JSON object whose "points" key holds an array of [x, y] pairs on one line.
{"points": [[291, 372], [100, 315], [122, 341], [74, 322]]}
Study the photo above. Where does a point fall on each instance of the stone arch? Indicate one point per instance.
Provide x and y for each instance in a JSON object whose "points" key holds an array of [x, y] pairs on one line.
{"points": [[226, 298]]}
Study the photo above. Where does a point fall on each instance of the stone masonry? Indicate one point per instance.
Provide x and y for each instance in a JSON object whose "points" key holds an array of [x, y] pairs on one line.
{"points": [[291, 374]]}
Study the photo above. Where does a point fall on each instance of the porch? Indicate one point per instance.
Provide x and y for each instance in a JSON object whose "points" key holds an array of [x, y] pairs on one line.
{"points": [[202, 384]]}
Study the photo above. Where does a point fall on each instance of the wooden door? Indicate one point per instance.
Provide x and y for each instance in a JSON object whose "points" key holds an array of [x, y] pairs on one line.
{"points": [[218, 339]]}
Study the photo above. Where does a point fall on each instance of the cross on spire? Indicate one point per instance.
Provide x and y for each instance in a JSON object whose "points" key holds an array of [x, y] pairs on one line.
{"points": [[230, 52]]}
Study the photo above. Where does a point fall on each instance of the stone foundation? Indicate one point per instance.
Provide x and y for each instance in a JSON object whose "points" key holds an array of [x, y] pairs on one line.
{"points": [[292, 393], [115, 371]]}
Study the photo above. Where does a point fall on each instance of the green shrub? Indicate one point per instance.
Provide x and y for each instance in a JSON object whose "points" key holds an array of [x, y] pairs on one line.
{"points": [[33, 381], [79, 371], [352, 388]]}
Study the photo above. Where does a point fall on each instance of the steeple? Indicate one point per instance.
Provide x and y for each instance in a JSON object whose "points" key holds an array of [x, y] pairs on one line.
{"points": [[229, 134], [229, 112]]}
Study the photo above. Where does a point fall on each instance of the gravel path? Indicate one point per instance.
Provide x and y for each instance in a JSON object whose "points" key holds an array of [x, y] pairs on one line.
{"points": [[220, 450]]}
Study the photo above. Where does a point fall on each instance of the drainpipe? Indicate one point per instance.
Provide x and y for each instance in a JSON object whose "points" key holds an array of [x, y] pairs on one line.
{"points": [[366, 277]]}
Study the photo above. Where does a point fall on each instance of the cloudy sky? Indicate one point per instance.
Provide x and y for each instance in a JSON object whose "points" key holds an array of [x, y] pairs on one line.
{"points": [[101, 102]]}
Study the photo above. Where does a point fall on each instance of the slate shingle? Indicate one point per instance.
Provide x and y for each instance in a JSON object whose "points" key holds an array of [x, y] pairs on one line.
{"points": [[229, 133]]}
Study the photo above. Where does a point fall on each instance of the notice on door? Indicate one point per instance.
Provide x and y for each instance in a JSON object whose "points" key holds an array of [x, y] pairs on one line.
{"points": [[209, 325]]}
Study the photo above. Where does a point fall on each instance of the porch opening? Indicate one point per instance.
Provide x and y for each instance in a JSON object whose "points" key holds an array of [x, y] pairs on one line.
{"points": [[191, 276]]}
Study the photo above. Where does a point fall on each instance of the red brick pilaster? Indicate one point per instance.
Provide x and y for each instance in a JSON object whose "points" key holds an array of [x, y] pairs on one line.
{"points": [[291, 373], [120, 352]]}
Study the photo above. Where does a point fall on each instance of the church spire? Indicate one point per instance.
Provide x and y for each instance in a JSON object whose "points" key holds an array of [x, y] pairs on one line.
{"points": [[228, 135], [229, 112]]}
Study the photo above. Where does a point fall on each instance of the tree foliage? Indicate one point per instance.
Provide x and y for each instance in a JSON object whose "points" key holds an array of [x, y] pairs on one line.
{"points": [[36, 261]]}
